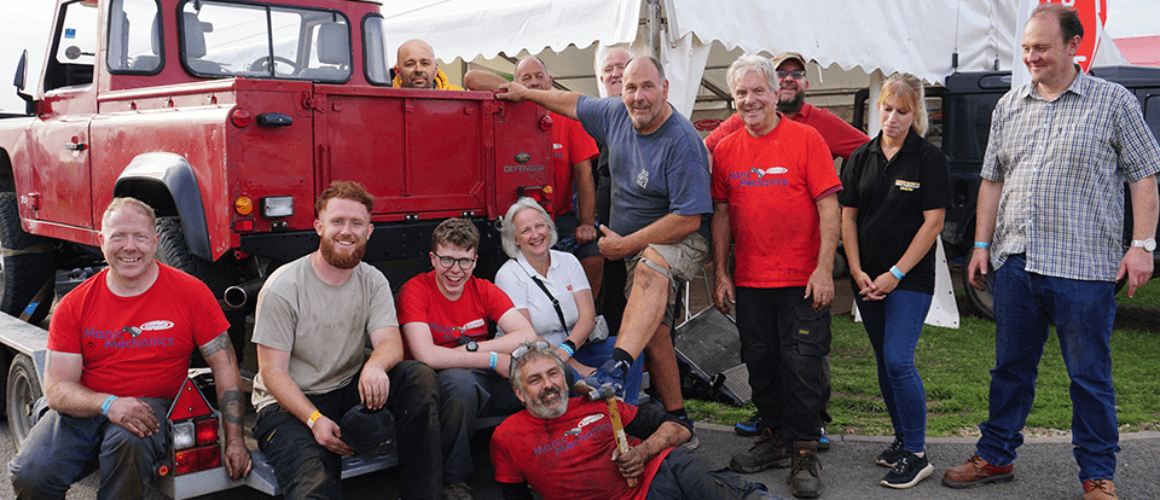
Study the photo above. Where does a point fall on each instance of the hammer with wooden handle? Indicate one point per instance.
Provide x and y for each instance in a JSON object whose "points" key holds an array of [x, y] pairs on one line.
{"points": [[608, 394]]}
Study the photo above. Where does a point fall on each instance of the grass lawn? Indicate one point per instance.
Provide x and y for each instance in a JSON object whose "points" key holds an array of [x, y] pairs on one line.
{"points": [[954, 365]]}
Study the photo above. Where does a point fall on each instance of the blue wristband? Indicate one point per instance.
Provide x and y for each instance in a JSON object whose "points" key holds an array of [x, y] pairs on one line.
{"points": [[105, 406], [567, 347], [896, 272], [982, 244], [494, 361]]}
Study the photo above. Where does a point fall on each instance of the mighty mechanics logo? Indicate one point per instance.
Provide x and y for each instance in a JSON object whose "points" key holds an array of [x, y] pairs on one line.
{"points": [[132, 337]]}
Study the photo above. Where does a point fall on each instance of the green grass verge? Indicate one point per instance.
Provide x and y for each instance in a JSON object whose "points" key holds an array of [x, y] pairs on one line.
{"points": [[955, 368]]}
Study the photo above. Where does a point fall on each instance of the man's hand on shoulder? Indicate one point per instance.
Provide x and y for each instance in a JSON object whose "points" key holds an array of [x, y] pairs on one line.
{"points": [[134, 415], [327, 433], [821, 286], [373, 387]]}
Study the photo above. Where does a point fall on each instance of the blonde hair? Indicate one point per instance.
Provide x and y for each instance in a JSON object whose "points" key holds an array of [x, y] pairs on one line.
{"points": [[908, 89], [126, 201]]}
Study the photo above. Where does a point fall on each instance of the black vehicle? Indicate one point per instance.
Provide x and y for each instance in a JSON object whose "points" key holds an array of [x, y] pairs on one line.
{"points": [[960, 122]]}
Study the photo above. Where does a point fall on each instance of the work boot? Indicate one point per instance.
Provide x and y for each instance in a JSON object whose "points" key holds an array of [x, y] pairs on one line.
{"points": [[768, 451], [890, 457], [1099, 489], [805, 478], [977, 471], [457, 491]]}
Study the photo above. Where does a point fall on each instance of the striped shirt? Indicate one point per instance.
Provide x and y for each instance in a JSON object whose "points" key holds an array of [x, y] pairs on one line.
{"points": [[1063, 164]]}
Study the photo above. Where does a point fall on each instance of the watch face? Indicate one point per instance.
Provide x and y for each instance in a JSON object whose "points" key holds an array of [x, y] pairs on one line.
{"points": [[472, 346], [1150, 245]]}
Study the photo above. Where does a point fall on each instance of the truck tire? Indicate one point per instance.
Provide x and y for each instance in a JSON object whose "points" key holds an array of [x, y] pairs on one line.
{"points": [[23, 390], [982, 301], [22, 275], [173, 251]]}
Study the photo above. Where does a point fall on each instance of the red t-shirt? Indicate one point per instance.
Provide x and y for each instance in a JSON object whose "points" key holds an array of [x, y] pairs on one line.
{"points": [[568, 458], [420, 301], [570, 145], [841, 137], [175, 316], [772, 184]]}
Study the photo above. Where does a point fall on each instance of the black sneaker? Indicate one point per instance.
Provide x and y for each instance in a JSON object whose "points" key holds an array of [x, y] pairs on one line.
{"points": [[748, 428], [890, 457], [768, 451], [909, 470]]}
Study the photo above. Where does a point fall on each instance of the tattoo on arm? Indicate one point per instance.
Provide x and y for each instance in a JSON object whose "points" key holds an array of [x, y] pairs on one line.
{"points": [[218, 344], [231, 406]]}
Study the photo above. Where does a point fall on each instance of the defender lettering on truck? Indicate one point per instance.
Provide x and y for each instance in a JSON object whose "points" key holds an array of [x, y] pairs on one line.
{"points": [[229, 117]]}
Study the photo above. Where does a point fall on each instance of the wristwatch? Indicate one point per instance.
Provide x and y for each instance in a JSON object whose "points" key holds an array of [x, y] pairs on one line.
{"points": [[471, 346], [1149, 245]]}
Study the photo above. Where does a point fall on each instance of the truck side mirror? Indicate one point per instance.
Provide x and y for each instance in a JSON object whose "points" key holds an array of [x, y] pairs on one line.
{"points": [[21, 77]]}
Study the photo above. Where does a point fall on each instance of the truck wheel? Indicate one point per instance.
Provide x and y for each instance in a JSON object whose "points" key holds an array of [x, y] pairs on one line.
{"points": [[22, 274], [23, 391], [983, 301], [173, 250]]}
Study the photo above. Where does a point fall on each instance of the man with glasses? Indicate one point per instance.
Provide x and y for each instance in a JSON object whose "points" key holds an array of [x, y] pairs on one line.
{"points": [[840, 137], [445, 315], [561, 447], [315, 316]]}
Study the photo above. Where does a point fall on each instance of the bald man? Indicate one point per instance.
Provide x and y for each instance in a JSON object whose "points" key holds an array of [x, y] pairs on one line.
{"points": [[415, 68]]}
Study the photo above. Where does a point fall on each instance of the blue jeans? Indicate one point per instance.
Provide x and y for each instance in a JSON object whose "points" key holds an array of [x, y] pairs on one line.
{"points": [[893, 325], [685, 475], [596, 353], [61, 450], [1083, 313]]}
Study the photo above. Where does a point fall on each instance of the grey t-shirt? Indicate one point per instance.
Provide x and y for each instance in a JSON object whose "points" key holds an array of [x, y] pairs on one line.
{"points": [[323, 327], [653, 175]]}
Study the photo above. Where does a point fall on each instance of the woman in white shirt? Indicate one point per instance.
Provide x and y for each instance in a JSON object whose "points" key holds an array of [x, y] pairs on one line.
{"points": [[528, 235]]}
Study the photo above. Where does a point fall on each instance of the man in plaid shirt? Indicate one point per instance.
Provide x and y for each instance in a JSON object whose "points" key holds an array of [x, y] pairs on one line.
{"points": [[1050, 220]]}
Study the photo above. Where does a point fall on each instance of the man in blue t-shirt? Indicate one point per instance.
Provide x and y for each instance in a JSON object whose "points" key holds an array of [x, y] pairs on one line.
{"points": [[660, 210]]}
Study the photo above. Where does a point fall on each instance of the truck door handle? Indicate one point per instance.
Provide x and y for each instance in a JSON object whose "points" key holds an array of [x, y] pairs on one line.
{"points": [[274, 120], [75, 146]]}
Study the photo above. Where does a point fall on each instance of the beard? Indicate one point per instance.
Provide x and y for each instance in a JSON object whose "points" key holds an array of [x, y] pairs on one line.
{"points": [[335, 258], [546, 411], [792, 105]]}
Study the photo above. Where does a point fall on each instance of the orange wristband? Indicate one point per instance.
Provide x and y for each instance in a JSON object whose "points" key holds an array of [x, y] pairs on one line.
{"points": [[313, 417]]}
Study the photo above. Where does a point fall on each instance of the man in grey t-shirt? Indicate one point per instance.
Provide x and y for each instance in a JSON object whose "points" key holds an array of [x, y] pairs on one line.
{"points": [[660, 210], [314, 318]]}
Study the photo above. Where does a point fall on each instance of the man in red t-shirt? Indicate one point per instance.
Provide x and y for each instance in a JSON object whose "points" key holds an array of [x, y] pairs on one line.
{"points": [[118, 352], [566, 449], [840, 137], [573, 151], [775, 196], [445, 315]]}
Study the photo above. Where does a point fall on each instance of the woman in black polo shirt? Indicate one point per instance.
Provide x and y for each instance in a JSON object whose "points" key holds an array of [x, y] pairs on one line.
{"points": [[895, 193]]}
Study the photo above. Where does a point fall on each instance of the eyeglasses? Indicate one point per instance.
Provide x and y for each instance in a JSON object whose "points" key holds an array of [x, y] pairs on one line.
{"points": [[797, 74], [465, 263], [538, 345]]}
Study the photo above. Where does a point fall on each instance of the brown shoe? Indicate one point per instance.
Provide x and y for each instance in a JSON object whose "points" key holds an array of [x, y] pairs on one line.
{"points": [[977, 471], [805, 478], [1099, 489]]}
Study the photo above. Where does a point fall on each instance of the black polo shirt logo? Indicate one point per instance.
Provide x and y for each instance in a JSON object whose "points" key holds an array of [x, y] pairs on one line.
{"points": [[907, 185]]}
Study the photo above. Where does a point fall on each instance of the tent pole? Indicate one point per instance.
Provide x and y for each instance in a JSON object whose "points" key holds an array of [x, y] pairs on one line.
{"points": [[653, 11]]}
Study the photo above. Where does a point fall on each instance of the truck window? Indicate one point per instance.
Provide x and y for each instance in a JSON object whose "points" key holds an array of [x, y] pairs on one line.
{"points": [[134, 37], [75, 48], [228, 39], [1152, 114], [376, 52]]}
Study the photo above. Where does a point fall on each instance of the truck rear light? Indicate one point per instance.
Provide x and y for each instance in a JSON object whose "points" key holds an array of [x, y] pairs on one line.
{"points": [[540, 194], [546, 123], [197, 459], [277, 206], [241, 118], [184, 435], [243, 226], [244, 205], [207, 430]]}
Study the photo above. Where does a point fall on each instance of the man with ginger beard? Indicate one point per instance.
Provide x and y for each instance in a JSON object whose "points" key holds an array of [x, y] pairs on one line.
{"points": [[565, 448], [314, 318]]}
